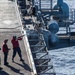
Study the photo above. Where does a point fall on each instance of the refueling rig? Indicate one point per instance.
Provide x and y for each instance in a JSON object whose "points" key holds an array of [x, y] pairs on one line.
{"points": [[44, 25]]}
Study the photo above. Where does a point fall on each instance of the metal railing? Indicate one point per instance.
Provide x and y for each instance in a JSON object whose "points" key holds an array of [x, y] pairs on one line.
{"points": [[26, 43], [41, 56]]}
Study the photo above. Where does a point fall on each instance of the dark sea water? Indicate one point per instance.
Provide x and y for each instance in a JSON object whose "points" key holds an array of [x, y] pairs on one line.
{"points": [[64, 59]]}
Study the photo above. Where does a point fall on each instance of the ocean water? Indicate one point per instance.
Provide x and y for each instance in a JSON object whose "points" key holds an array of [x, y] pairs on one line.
{"points": [[64, 58]]}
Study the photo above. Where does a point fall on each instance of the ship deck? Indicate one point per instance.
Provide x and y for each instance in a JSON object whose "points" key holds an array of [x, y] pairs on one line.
{"points": [[9, 26]]}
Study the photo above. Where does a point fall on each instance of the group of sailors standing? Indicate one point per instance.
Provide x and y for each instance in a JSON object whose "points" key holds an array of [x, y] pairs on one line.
{"points": [[16, 49]]}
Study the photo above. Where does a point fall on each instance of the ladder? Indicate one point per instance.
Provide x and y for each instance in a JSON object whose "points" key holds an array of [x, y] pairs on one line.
{"points": [[41, 56]]}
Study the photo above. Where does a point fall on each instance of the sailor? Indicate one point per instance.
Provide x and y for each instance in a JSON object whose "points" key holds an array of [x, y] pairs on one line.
{"points": [[16, 48], [5, 50]]}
